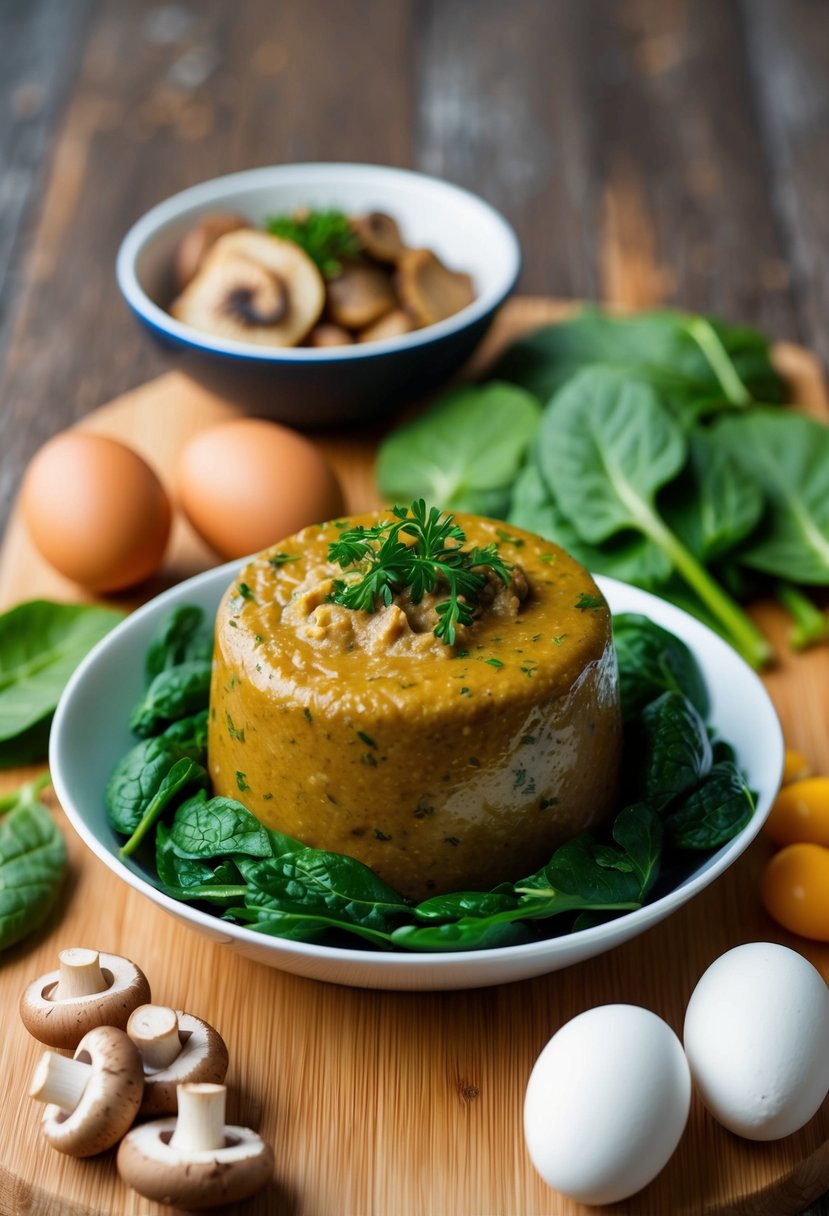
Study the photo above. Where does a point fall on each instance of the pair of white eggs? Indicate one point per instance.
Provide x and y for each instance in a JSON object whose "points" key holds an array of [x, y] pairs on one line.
{"points": [[609, 1096]]}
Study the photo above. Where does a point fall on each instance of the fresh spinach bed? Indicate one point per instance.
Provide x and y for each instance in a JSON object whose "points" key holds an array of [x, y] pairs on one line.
{"points": [[682, 796]]}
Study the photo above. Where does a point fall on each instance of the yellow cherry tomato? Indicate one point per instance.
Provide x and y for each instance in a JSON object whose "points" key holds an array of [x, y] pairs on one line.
{"points": [[795, 890], [801, 813], [795, 766]]}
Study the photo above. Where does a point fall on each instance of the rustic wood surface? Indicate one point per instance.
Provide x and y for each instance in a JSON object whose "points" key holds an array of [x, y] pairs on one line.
{"points": [[382, 1103], [645, 150]]}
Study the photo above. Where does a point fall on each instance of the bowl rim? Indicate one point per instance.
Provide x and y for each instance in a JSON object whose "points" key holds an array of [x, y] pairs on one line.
{"points": [[604, 936], [217, 188]]}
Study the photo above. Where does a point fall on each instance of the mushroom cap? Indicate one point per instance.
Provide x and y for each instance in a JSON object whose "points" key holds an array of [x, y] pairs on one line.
{"points": [[109, 1102], [203, 1057], [379, 236], [63, 1023], [207, 1179], [429, 290], [253, 287], [196, 242], [360, 295]]}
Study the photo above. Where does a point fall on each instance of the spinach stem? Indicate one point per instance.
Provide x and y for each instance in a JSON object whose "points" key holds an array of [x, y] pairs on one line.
{"points": [[719, 360], [26, 793], [810, 625], [746, 637]]}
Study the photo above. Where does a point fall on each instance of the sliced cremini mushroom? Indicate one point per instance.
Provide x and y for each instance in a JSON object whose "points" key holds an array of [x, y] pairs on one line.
{"points": [[379, 236], [194, 1161], [93, 1096], [253, 287], [326, 334], [392, 325], [359, 296], [89, 989], [429, 290], [175, 1047], [197, 240]]}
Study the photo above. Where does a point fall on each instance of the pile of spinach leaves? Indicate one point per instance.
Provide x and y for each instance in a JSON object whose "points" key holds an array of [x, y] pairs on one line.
{"points": [[653, 448], [682, 795]]}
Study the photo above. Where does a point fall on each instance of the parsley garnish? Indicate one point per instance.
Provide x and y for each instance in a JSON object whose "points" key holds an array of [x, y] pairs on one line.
{"points": [[326, 236], [433, 558], [280, 559], [585, 602]]}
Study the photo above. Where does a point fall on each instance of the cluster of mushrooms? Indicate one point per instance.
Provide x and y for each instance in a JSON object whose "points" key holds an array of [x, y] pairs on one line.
{"points": [[133, 1059], [235, 281]]}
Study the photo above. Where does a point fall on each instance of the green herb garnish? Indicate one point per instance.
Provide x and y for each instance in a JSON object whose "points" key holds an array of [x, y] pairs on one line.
{"points": [[326, 236], [436, 559]]}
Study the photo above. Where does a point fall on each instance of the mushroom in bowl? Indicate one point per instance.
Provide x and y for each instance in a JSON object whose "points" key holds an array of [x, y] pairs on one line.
{"points": [[448, 245]]}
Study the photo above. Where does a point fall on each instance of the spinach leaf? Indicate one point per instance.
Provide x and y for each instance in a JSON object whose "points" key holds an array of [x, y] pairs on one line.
{"points": [[176, 692], [715, 503], [458, 904], [789, 455], [189, 735], [464, 452], [697, 365], [607, 446], [468, 933], [213, 827], [629, 556], [329, 883], [136, 780], [41, 644], [653, 661], [187, 878], [676, 748], [714, 813], [184, 773], [297, 923], [32, 862], [28, 747], [583, 874], [637, 829], [181, 639]]}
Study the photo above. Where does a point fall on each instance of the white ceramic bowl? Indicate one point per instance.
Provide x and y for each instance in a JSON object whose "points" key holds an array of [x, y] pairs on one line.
{"points": [[310, 387], [90, 733]]}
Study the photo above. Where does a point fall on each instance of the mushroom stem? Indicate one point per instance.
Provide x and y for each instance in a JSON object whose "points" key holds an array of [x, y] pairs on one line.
{"points": [[60, 1080], [200, 1126], [154, 1031], [80, 974]]}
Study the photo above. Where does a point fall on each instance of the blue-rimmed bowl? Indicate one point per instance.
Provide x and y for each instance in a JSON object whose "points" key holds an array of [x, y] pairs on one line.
{"points": [[319, 387]]}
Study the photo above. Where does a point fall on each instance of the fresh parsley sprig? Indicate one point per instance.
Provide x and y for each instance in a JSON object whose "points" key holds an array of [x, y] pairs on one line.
{"points": [[432, 556], [326, 236]]}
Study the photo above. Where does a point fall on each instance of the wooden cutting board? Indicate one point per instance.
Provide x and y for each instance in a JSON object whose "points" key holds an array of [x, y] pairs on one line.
{"points": [[395, 1104]]}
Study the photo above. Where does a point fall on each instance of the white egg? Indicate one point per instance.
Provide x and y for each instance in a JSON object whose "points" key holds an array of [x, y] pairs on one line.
{"points": [[607, 1103], [757, 1040]]}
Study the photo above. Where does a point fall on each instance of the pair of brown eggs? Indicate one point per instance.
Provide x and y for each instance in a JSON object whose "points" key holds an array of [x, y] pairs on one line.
{"points": [[99, 514]]}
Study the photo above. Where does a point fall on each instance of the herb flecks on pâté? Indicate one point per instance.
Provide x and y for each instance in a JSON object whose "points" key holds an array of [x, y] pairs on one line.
{"points": [[431, 557]]}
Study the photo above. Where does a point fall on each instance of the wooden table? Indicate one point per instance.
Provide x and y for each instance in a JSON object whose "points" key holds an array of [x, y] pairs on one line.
{"points": [[647, 151]]}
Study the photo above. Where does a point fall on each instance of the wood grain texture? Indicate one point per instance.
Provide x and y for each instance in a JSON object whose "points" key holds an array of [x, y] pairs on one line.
{"points": [[381, 1103]]}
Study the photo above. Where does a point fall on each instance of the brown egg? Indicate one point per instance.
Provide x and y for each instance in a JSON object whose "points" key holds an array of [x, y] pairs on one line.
{"points": [[247, 483], [95, 510]]}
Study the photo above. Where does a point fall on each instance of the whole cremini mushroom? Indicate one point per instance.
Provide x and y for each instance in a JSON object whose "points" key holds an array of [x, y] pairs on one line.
{"points": [[92, 1097], [88, 989], [198, 240], [253, 287], [175, 1048], [194, 1161]]}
